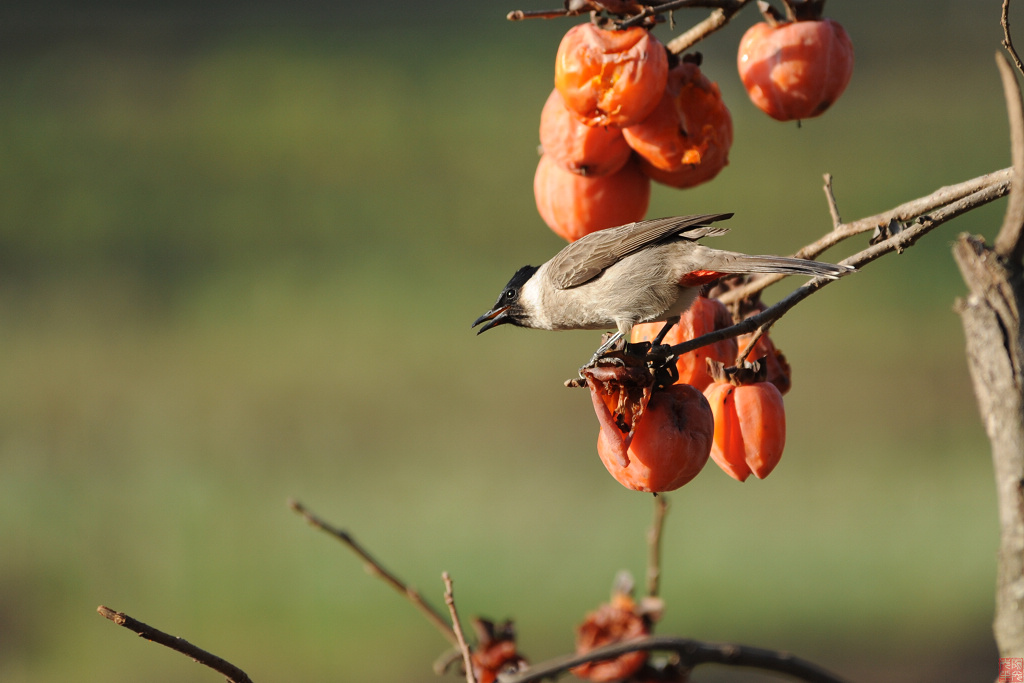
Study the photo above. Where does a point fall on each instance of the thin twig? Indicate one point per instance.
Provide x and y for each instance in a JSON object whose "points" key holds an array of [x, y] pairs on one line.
{"points": [[833, 208], [374, 567], [520, 14], [758, 333], [691, 653], [718, 18], [221, 666], [654, 545], [1004, 21], [449, 599], [1009, 242]]}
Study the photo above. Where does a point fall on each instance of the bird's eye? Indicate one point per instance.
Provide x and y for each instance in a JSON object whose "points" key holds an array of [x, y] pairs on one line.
{"points": [[510, 293]]}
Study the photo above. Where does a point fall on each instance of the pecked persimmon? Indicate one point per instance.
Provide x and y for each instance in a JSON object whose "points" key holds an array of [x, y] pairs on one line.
{"points": [[611, 623], [610, 77], [703, 316], [750, 428], [795, 70], [573, 205], [670, 443], [586, 150], [685, 141]]}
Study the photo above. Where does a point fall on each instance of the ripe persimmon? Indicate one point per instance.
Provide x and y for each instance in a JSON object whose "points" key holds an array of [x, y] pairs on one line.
{"points": [[586, 150], [670, 444], [750, 428], [777, 368], [705, 315], [610, 77], [573, 205], [795, 70], [685, 141]]}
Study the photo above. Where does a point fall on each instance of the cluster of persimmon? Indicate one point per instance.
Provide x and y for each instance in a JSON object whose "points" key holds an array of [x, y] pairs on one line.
{"points": [[625, 111], [658, 428]]}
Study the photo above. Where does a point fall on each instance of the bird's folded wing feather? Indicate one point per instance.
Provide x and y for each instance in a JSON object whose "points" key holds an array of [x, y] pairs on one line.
{"points": [[586, 258]]}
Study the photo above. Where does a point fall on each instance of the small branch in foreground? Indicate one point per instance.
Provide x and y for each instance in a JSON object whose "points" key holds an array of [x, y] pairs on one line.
{"points": [[691, 653], [374, 567], [449, 599], [1004, 21], [221, 666], [654, 545]]}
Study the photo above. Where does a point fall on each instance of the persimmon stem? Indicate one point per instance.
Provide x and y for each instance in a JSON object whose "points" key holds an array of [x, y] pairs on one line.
{"points": [[654, 535], [377, 569]]}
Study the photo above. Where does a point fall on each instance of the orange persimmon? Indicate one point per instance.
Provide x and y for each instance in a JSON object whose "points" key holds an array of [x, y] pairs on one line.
{"points": [[610, 77], [670, 443], [586, 150], [750, 428], [795, 70], [573, 205], [685, 141], [703, 316]]}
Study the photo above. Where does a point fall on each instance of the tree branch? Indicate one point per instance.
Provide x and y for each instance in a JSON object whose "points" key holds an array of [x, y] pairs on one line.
{"points": [[374, 567], [449, 599], [221, 666], [1009, 243], [692, 653], [1004, 21]]}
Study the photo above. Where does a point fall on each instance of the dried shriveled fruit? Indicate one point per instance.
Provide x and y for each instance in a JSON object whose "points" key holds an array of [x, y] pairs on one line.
{"points": [[574, 206], [611, 623], [685, 141], [586, 150], [795, 70], [610, 77]]}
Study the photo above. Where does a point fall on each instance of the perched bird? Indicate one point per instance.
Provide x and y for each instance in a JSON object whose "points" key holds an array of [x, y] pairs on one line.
{"points": [[640, 272]]}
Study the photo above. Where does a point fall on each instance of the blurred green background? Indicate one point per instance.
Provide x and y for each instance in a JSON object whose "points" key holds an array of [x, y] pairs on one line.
{"points": [[240, 250]]}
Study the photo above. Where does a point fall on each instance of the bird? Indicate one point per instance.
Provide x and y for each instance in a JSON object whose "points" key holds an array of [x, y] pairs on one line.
{"points": [[645, 271]]}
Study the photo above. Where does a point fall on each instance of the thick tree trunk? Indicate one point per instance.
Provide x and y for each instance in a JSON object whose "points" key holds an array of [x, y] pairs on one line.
{"points": [[991, 319]]}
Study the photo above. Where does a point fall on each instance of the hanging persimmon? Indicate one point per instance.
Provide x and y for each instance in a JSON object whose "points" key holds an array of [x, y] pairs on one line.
{"points": [[585, 150], [685, 141], [795, 70], [573, 205], [610, 77], [670, 443], [750, 423]]}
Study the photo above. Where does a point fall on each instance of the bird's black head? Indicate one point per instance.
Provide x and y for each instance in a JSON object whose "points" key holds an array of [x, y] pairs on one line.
{"points": [[507, 309]]}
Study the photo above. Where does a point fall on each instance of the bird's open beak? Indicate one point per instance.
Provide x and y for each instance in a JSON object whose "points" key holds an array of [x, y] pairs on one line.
{"points": [[493, 317]]}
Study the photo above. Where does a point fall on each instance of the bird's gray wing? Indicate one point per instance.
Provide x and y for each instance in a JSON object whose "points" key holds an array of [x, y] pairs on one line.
{"points": [[587, 257]]}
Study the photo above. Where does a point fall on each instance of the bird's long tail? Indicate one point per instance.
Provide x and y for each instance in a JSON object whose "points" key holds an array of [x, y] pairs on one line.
{"points": [[731, 263]]}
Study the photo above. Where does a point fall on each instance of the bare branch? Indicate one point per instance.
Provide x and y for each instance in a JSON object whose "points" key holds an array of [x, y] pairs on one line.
{"points": [[374, 567], [833, 208], [449, 599], [692, 653], [998, 182], [221, 666], [1009, 242], [898, 242], [654, 545], [718, 18], [1004, 21]]}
